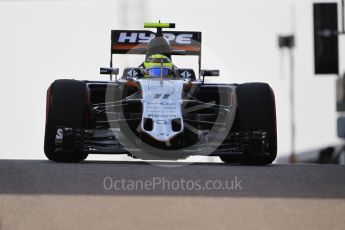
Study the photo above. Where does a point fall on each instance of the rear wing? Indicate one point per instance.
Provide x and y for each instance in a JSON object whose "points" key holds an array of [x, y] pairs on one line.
{"points": [[136, 41]]}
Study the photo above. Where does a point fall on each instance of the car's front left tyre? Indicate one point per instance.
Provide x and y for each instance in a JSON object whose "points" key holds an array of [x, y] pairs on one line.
{"points": [[256, 112]]}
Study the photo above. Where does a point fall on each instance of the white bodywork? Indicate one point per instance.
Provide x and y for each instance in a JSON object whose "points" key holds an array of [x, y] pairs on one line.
{"points": [[162, 102]]}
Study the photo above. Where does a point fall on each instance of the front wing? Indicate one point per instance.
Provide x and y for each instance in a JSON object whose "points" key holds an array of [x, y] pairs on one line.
{"points": [[104, 141]]}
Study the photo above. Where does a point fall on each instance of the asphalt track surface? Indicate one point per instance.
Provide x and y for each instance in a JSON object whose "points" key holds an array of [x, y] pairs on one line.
{"points": [[41, 194], [95, 177]]}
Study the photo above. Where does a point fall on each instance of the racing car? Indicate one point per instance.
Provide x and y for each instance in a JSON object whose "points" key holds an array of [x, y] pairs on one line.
{"points": [[159, 111]]}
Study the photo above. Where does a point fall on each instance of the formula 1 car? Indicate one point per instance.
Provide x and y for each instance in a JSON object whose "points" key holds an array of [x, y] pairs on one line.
{"points": [[157, 111]]}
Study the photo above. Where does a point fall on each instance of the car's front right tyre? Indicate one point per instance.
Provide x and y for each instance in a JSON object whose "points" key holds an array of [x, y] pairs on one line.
{"points": [[66, 107]]}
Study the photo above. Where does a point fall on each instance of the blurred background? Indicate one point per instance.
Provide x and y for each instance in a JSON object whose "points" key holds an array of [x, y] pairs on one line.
{"points": [[41, 41]]}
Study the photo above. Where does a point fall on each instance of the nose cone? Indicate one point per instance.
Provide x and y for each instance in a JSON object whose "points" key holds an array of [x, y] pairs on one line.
{"points": [[162, 130], [161, 108]]}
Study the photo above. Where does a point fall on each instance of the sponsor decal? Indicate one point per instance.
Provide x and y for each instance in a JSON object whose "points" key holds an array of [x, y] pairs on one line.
{"points": [[161, 96], [161, 103], [59, 136], [132, 73], [162, 122], [143, 37], [186, 74], [161, 116], [164, 134]]}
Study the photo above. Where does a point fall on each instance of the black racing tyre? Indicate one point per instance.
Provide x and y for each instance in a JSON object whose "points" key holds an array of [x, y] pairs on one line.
{"points": [[256, 112], [66, 107]]}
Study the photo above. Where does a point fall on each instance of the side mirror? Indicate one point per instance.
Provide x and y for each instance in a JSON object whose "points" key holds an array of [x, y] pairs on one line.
{"points": [[209, 72], [113, 71], [109, 71]]}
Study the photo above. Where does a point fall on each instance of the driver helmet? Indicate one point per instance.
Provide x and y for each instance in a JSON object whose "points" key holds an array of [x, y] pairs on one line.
{"points": [[158, 65]]}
